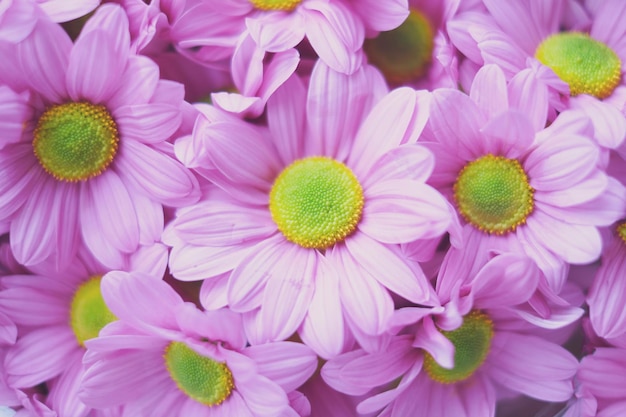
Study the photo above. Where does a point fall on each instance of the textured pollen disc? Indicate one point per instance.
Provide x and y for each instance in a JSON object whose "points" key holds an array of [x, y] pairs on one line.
{"points": [[404, 53], [88, 312], [207, 381], [285, 5], [316, 202], [493, 194], [471, 343], [587, 65], [75, 141], [621, 231]]}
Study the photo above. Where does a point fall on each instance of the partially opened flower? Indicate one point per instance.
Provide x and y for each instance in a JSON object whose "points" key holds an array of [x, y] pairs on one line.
{"points": [[92, 158], [520, 184], [453, 357], [309, 215], [165, 357]]}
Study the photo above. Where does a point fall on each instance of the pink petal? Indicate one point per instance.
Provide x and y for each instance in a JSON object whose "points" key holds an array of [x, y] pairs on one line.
{"points": [[398, 118], [286, 118], [399, 211], [383, 16], [140, 300], [47, 47], [532, 366], [8, 330], [63, 395], [332, 374], [530, 96], [14, 113], [585, 191], [62, 11], [288, 364], [160, 176], [263, 396], [336, 106], [430, 339], [608, 25], [192, 263], [372, 309], [603, 373], [606, 296], [94, 67], [288, 292], [248, 280], [149, 122], [608, 121], [276, 31], [279, 70], [335, 34], [323, 326], [20, 175], [30, 307], [389, 269], [217, 326], [108, 217], [247, 66], [137, 84], [510, 134], [214, 292], [409, 161], [489, 91], [498, 48]]}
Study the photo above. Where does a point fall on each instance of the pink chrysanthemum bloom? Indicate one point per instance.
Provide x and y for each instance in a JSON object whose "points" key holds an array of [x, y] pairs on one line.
{"points": [[521, 185], [454, 356], [418, 52], [56, 313], [581, 44], [334, 28], [312, 209], [92, 157], [165, 357]]}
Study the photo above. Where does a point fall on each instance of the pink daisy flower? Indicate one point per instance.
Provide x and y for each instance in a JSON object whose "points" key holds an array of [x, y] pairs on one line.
{"points": [[56, 313], [309, 213], [418, 52], [335, 29], [93, 151], [516, 183], [178, 360], [579, 45], [454, 356]]}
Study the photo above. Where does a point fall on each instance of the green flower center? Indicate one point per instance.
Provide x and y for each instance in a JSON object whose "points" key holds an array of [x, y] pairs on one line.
{"points": [[621, 231], [316, 202], [404, 53], [207, 381], [75, 141], [587, 65], [88, 312], [471, 343], [493, 194], [284, 5]]}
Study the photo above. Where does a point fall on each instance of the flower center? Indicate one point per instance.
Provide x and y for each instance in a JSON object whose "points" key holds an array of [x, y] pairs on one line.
{"points": [[88, 312], [493, 194], [75, 141], [587, 65], [316, 202], [471, 343], [207, 381], [285, 5], [621, 231], [404, 53]]}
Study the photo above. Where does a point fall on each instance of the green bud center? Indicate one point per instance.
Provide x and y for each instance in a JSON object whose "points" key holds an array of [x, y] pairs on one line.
{"points": [[587, 65], [493, 194], [471, 343], [207, 381], [284, 5], [75, 141], [316, 202], [88, 312]]}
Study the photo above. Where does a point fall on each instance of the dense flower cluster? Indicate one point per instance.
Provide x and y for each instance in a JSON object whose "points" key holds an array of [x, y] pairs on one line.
{"points": [[312, 208]]}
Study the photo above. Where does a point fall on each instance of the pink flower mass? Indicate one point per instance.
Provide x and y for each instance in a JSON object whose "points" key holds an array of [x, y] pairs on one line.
{"points": [[312, 208]]}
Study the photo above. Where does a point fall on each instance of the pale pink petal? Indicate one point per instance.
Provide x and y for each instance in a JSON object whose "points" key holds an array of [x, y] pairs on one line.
{"points": [[235, 406], [288, 292], [137, 84], [530, 96], [238, 104], [8, 330], [335, 34], [489, 91], [149, 122], [603, 373], [14, 112], [509, 134], [30, 307], [389, 269], [159, 176], [139, 300], [64, 11], [192, 263], [288, 364], [20, 175], [582, 245], [617, 409], [323, 326], [381, 16], [217, 326], [607, 295], [398, 118], [214, 292], [608, 25], [498, 48], [247, 66], [424, 398], [108, 217], [398, 211], [609, 123], [430, 339], [277, 31], [63, 395], [94, 67], [286, 119], [587, 190], [516, 18], [263, 396], [532, 366], [47, 47], [151, 221], [373, 308], [40, 355], [331, 373], [409, 161], [282, 66], [248, 280], [336, 106]]}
